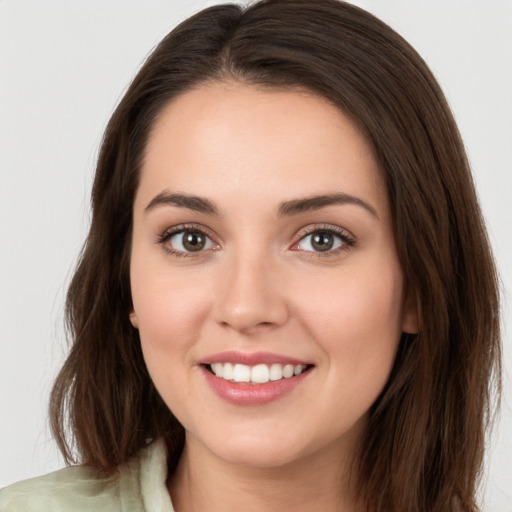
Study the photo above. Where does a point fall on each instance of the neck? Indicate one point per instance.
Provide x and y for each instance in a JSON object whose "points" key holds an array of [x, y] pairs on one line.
{"points": [[203, 481]]}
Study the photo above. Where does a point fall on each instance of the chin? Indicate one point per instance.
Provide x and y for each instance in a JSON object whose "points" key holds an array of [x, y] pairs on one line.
{"points": [[265, 448], [257, 456]]}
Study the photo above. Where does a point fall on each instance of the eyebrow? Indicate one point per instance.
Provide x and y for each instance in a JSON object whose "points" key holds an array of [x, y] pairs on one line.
{"points": [[196, 203], [297, 206], [285, 209]]}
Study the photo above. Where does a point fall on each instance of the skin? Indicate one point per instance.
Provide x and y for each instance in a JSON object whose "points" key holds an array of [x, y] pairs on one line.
{"points": [[260, 285]]}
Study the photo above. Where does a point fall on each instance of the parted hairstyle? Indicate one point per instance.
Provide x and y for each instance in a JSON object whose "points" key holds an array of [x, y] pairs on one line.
{"points": [[423, 446]]}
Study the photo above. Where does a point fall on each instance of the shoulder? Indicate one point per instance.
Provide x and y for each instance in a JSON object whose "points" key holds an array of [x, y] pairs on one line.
{"points": [[73, 488], [136, 486]]}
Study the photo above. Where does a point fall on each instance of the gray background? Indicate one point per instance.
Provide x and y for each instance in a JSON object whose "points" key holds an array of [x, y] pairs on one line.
{"points": [[63, 67]]}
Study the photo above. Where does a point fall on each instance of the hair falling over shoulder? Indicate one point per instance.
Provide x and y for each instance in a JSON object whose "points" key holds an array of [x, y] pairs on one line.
{"points": [[423, 447]]}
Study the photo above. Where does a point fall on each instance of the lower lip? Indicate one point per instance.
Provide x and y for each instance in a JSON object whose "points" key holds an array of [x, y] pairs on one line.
{"points": [[242, 393]]}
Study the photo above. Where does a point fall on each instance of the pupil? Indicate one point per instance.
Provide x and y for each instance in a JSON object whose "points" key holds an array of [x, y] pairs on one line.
{"points": [[322, 241], [193, 241]]}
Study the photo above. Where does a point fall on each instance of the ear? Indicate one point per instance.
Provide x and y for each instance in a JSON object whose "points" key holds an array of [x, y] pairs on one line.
{"points": [[410, 316], [133, 319]]}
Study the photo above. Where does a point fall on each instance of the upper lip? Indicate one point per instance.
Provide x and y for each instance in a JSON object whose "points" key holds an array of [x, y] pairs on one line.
{"points": [[251, 358]]}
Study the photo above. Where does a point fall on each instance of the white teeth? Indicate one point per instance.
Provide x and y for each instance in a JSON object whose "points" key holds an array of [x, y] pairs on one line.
{"points": [[259, 374], [218, 369], [276, 372], [288, 371], [227, 371], [242, 373]]}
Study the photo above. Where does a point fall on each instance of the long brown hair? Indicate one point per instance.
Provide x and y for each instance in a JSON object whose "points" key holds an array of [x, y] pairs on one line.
{"points": [[423, 447]]}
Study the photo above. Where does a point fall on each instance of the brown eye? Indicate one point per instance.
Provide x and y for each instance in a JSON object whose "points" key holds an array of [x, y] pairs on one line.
{"points": [[193, 241], [323, 241], [190, 241]]}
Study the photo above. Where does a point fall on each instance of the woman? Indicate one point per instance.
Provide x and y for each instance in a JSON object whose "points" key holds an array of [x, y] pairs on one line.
{"points": [[286, 251]]}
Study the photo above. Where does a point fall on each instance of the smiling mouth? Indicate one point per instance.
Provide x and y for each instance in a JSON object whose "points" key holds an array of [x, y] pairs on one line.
{"points": [[258, 374]]}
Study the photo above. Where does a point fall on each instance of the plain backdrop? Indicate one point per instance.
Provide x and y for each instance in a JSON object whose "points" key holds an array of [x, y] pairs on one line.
{"points": [[64, 66]]}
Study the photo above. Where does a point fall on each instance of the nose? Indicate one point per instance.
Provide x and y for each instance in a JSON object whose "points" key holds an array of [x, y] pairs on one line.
{"points": [[251, 296]]}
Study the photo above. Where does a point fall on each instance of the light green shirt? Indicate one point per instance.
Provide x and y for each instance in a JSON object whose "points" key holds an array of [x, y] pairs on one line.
{"points": [[138, 486]]}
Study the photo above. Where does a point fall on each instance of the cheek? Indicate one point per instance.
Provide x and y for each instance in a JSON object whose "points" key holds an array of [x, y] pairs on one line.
{"points": [[170, 308], [355, 316], [356, 322], [360, 303]]}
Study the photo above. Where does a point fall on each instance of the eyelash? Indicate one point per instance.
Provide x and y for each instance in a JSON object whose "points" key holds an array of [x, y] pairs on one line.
{"points": [[348, 241], [182, 228]]}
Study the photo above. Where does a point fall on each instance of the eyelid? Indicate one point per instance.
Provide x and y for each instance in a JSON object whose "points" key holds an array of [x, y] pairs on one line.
{"points": [[168, 233], [347, 238]]}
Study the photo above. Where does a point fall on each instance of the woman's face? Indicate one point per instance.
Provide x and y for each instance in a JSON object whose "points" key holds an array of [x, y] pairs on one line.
{"points": [[263, 248]]}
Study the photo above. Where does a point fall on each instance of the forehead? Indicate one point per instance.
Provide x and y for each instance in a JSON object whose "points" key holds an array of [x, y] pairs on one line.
{"points": [[232, 140]]}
